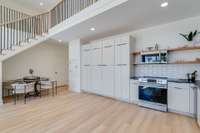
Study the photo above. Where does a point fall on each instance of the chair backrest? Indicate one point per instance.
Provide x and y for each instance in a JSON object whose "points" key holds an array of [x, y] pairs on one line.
{"points": [[30, 87], [20, 88]]}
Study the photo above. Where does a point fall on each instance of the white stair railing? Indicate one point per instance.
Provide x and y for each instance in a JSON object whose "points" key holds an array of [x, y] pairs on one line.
{"points": [[15, 31]]}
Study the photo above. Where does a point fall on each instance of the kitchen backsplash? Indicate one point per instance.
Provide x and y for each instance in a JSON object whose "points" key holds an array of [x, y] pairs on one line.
{"points": [[170, 70]]}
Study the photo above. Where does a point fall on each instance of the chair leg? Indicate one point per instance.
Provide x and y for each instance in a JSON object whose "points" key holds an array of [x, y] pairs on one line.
{"points": [[24, 98], [15, 97]]}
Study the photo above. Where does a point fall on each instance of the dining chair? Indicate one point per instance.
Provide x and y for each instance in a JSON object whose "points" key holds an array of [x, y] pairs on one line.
{"points": [[22, 88], [48, 85]]}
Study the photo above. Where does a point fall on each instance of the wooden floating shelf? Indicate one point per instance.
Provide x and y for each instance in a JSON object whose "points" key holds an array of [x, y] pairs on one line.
{"points": [[173, 49], [175, 62]]}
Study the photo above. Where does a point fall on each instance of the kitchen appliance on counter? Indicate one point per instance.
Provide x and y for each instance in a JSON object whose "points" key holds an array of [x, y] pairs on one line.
{"points": [[192, 77], [155, 57], [153, 93]]}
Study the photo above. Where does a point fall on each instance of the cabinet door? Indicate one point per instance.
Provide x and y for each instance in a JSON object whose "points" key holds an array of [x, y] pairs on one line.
{"points": [[193, 97], [198, 106], [96, 54], [134, 91], [108, 81], [178, 97], [85, 55], [121, 54], [85, 79], [124, 77], [124, 54], [96, 78], [108, 52], [117, 55], [117, 90]]}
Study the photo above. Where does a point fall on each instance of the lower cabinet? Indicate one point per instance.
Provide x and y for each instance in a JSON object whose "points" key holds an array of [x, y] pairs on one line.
{"points": [[182, 98], [108, 81], [134, 91], [198, 105], [122, 90], [85, 78], [96, 80]]}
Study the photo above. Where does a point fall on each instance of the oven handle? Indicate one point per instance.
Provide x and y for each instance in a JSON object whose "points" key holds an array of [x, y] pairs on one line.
{"points": [[147, 86], [178, 88]]}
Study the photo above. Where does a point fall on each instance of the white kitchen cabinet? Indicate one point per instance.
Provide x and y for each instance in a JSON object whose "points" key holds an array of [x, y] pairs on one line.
{"points": [[122, 90], [179, 97], [96, 53], [85, 78], [122, 54], [108, 81], [193, 99], [96, 80], [134, 84], [108, 52], [106, 62], [86, 55], [198, 105]]}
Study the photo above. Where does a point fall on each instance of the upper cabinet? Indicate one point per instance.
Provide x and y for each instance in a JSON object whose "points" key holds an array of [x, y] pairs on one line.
{"points": [[108, 52], [96, 53], [122, 50], [86, 55]]}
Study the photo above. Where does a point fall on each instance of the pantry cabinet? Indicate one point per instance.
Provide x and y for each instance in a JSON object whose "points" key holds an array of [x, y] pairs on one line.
{"points": [[106, 67]]}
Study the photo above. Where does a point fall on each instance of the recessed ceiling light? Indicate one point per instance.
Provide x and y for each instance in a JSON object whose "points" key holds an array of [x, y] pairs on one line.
{"points": [[41, 3], [164, 4], [92, 29], [59, 41]]}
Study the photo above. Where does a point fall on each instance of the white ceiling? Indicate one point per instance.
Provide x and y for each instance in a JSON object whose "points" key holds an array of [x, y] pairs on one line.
{"points": [[132, 15], [31, 7]]}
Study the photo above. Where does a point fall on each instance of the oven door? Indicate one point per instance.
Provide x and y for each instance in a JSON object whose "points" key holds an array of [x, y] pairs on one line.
{"points": [[153, 94]]}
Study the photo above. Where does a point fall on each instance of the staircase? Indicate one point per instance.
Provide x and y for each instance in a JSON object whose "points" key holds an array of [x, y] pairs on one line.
{"points": [[19, 31]]}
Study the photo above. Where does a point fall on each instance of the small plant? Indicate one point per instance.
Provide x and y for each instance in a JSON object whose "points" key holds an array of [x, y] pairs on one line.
{"points": [[189, 37], [31, 71]]}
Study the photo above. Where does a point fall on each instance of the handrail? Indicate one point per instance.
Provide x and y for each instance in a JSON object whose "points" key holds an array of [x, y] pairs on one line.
{"points": [[22, 29], [7, 15]]}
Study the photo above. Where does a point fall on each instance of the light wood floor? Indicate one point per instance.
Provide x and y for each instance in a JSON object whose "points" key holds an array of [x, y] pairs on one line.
{"points": [[86, 113]]}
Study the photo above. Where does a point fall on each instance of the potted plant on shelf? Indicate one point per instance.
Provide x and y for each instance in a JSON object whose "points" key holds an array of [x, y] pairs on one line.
{"points": [[191, 36]]}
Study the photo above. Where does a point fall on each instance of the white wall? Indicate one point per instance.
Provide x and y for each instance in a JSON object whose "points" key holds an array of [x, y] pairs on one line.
{"points": [[46, 59], [167, 37]]}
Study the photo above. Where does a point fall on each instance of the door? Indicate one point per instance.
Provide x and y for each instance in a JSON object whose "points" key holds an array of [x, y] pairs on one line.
{"points": [[108, 81], [178, 97]]}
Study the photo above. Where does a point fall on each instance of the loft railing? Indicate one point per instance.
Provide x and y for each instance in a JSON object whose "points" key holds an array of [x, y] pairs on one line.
{"points": [[68, 8], [7, 15], [17, 30], [22, 30]]}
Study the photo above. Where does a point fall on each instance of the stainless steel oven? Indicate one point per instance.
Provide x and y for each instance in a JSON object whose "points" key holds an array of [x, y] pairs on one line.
{"points": [[153, 93]]}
